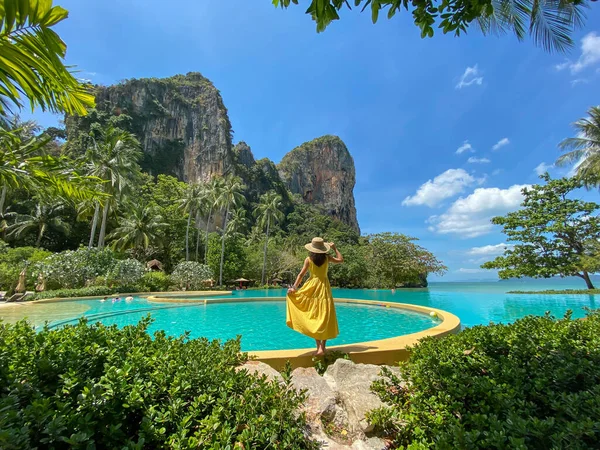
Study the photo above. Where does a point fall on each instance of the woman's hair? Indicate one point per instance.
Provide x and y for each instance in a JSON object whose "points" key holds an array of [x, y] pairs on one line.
{"points": [[318, 258]]}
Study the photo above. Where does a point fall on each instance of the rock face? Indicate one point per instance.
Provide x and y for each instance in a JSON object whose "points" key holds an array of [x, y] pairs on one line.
{"points": [[183, 127], [322, 173], [181, 122]]}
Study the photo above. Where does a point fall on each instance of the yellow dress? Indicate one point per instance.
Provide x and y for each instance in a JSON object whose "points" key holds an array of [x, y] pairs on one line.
{"points": [[310, 310]]}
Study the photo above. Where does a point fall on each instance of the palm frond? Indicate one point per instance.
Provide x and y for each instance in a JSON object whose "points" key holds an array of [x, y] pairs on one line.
{"points": [[31, 60]]}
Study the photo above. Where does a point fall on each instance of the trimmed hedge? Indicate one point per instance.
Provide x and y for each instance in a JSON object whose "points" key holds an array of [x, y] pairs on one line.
{"points": [[534, 384], [92, 386]]}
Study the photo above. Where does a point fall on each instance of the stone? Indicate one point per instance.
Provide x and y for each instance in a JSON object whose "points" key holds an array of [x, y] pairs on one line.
{"points": [[322, 173], [353, 386], [321, 399], [372, 443], [260, 368]]}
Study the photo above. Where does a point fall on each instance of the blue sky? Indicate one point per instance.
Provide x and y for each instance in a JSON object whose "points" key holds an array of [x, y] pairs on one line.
{"points": [[404, 106]]}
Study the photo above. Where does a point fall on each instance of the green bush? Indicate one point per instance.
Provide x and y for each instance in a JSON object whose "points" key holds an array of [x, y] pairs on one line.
{"points": [[127, 271], [12, 261], [92, 386], [534, 384], [191, 275], [75, 268], [92, 291], [155, 281]]}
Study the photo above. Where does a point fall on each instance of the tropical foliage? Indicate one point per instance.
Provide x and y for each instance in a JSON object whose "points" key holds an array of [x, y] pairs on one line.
{"points": [[104, 387], [191, 275], [555, 233], [549, 23], [584, 150], [32, 60], [529, 385]]}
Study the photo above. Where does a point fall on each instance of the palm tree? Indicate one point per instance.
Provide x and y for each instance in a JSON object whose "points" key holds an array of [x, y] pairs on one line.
{"points": [[231, 196], [138, 229], [113, 158], [584, 150], [238, 222], [213, 195], [191, 203], [32, 60], [43, 218], [268, 211]]}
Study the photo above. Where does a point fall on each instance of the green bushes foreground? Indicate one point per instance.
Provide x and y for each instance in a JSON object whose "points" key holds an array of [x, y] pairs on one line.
{"points": [[92, 386], [534, 384]]}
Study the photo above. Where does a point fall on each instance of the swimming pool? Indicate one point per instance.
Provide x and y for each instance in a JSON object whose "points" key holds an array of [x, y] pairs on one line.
{"points": [[260, 323], [263, 326]]}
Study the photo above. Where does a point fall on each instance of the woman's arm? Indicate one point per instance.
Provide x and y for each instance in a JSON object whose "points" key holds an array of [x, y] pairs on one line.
{"points": [[300, 277], [338, 258]]}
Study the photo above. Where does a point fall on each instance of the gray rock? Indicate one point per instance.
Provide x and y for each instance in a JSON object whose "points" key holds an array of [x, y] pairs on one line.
{"points": [[321, 399], [353, 386], [371, 443], [322, 173], [260, 368]]}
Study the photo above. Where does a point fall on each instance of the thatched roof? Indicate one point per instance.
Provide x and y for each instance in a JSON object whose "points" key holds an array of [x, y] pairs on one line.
{"points": [[155, 264]]}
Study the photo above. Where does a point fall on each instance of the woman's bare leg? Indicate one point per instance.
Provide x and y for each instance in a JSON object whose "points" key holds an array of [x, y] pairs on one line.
{"points": [[320, 349], [323, 345]]}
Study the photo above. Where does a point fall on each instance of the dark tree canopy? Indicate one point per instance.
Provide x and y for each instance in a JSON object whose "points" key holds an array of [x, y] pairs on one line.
{"points": [[555, 234]]}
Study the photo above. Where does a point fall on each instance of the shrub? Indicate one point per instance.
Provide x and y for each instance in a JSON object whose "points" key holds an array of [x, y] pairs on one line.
{"points": [[12, 261], [155, 281], [190, 274], [127, 272], [533, 384], [91, 291], [75, 268], [102, 387]]}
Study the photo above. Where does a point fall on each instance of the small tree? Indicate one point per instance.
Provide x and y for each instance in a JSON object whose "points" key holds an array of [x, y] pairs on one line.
{"points": [[397, 261], [191, 274], [554, 233], [127, 272]]}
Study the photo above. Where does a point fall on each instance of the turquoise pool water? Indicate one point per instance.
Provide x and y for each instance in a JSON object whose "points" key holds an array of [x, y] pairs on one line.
{"points": [[261, 324]]}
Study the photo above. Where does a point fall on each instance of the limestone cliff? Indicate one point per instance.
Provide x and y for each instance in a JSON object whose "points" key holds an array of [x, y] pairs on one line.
{"points": [[181, 122], [322, 173]]}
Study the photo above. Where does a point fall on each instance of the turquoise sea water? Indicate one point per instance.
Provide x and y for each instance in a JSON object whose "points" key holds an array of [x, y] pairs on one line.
{"points": [[262, 324]]}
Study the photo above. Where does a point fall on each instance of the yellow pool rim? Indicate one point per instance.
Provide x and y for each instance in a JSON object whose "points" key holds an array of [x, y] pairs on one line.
{"points": [[383, 351]]}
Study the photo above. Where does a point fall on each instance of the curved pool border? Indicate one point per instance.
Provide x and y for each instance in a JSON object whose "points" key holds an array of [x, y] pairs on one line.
{"points": [[383, 351]]}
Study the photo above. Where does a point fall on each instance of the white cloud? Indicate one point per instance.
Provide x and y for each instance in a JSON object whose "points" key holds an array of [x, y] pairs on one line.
{"points": [[579, 81], [463, 270], [469, 77], [465, 147], [445, 185], [542, 168], [474, 160], [501, 143], [470, 216], [489, 250], [590, 54], [496, 172]]}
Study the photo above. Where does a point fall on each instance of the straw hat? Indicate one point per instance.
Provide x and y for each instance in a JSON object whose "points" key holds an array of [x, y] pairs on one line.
{"points": [[317, 245]]}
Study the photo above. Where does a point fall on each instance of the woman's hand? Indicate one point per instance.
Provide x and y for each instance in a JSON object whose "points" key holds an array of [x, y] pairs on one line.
{"points": [[332, 245], [291, 290]]}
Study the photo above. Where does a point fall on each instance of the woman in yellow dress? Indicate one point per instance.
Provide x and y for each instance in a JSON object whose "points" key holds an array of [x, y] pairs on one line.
{"points": [[310, 309]]}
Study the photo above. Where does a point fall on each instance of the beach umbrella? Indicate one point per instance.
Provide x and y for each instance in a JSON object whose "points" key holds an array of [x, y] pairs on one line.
{"points": [[41, 283], [241, 280], [21, 285]]}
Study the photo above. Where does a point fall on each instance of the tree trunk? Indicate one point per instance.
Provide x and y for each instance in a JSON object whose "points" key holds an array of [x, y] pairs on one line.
{"points": [[3, 198], [223, 246], [206, 243], [94, 225], [262, 279], [187, 237], [103, 226], [197, 234], [40, 235], [586, 278]]}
